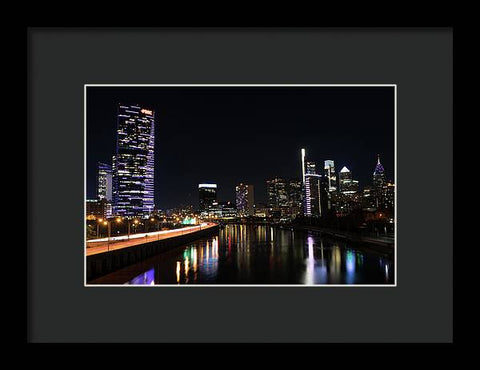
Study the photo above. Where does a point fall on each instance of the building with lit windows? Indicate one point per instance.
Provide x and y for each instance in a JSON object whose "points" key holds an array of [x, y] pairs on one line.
{"points": [[368, 198], [207, 196], [312, 194], [133, 166], [97, 208], [295, 198], [330, 175], [244, 199], [347, 185], [315, 192], [228, 210], [378, 184], [277, 197], [389, 196], [104, 181]]}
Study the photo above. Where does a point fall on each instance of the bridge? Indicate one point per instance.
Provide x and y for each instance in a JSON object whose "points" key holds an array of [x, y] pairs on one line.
{"points": [[102, 245], [104, 255]]}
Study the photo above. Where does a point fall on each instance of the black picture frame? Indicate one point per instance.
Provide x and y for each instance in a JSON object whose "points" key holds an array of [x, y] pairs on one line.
{"points": [[419, 61]]}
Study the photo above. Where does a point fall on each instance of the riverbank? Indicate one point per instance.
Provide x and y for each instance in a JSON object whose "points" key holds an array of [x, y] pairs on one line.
{"points": [[385, 245]]}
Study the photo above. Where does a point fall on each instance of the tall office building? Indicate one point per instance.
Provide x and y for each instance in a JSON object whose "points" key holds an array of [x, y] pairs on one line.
{"points": [[133, 167], [104, 181], [294, 191], [207, 196], [244, 198], [315, 187], [330, 175], [368, 197], [312, 194], [389, 196], [347, 185], [315, 192], [378, 184], [277, 193]]}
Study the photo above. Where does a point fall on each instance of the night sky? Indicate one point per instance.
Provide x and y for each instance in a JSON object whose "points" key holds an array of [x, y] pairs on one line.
{"points": [[228, 135]]}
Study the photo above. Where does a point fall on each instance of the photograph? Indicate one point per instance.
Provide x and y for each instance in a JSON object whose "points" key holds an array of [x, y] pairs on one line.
{"points": [[211, 185]]}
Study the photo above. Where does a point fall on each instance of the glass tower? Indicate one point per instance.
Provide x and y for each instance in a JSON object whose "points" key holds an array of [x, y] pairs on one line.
{"points": [[133, 187]]}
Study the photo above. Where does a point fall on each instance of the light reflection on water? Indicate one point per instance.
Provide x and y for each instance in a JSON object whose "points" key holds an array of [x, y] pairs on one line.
{"points": [[245, 254]]}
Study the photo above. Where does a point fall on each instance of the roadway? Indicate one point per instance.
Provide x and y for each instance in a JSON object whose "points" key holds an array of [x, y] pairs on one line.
{"points": [[95, 246]]}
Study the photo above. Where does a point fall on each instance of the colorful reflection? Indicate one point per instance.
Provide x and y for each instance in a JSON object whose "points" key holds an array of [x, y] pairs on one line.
{"points": [[350, 267], [178, 271], [243, 254], [147, 278], [309, 274]]}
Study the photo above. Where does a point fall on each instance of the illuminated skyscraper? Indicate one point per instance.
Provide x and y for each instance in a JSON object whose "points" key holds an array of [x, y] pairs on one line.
{"points": [[379, 183], [244, 197], [312, 194], [104, 181], [277, 196], [316, 192], [207, 196], [368, 197], [389, 196], [294, 191], [133, 167], [346, 183], [330, 175]]}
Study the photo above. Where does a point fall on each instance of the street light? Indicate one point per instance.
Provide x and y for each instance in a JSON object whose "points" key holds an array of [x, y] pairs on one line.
{"points": [[98, 226], [129, 224], [107, 223]]}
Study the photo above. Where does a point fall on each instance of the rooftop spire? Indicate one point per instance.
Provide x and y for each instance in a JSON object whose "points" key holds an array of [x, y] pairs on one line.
{"points": [[378, 158]]}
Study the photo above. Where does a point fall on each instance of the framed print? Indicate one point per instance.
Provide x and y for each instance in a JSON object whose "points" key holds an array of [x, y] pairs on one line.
{"points": [[263, 185]]}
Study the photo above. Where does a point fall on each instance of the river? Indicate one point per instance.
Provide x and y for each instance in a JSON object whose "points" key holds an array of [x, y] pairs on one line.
{"points": [[261, 255]]}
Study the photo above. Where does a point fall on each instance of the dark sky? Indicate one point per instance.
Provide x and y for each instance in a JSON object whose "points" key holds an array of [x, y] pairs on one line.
{"points": [[229, 135]]}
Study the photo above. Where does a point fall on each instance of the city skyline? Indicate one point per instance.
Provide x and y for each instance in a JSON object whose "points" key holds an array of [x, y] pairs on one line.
{"points": [[306, 192], [374, 138]]}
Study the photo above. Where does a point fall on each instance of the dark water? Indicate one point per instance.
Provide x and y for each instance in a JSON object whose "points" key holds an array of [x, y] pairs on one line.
{"points": [[242, 254]]}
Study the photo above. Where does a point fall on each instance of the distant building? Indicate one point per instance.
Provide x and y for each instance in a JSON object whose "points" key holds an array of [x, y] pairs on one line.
{"points": [[346, 183], [207, 196], [97, 208], [228, 210], [330, 175], [368, 198], [104, 181], [378, 184], [312, 194], [244, 198], [295, 198], [277, 193], [310, 168], [261, 210], [133, 167], [389, 196], [316, 199]]}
